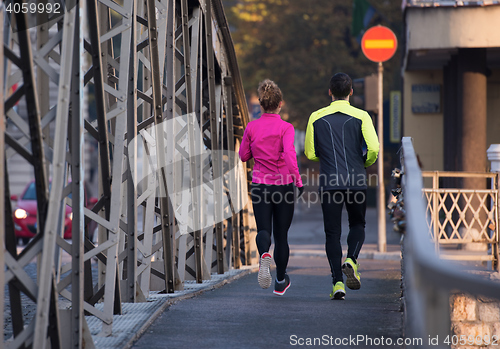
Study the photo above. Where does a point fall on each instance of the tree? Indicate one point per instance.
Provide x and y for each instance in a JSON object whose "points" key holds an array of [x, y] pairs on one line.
{"points": [[301, 44]]}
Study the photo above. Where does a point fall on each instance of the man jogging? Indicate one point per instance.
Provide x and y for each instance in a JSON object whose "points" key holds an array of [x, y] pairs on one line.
{"points": [[335, 137]]}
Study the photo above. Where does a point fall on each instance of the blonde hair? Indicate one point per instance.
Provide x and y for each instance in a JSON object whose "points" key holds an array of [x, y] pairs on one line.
{"points": [[270, 95]]}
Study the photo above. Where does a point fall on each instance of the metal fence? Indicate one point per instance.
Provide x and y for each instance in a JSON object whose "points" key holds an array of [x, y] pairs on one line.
{"points": [[427, 279], [463, 216], [171, 200]]}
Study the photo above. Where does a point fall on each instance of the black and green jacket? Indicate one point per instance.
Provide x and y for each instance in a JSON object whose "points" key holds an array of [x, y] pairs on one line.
{"points": [[335, 137]]}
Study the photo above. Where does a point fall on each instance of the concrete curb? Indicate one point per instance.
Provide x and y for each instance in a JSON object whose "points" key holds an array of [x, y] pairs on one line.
{"points": [[173, 300]]}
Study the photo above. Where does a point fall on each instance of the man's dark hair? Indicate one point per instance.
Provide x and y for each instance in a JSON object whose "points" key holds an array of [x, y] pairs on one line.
{"points": [[340, 85]]}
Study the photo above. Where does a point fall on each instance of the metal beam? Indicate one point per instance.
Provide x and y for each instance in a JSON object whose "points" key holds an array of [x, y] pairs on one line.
{"points": [[157, 107], [196, 185], [2, 174], [33, 117], [77, 190], [131, 204], [47, 296], [216, 145]]}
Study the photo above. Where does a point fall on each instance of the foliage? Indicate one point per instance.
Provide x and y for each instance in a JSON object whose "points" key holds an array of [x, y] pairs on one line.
{"points": [[300, 44]]}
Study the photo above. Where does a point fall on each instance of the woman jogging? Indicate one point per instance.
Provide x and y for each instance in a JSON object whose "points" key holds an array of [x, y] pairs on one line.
{"points": [[270, 141]]}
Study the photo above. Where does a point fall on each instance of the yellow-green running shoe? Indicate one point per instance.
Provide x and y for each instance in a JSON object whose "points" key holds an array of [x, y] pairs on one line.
{"points": [[350, 269], [338, 291]]}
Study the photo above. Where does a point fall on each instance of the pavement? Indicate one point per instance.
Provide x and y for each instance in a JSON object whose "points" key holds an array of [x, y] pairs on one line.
{"points": [[242, 315], [232, 311]]}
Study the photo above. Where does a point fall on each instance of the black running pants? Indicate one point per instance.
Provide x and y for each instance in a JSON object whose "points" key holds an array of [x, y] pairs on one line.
{"points": [[273, 208], [332, 202]]}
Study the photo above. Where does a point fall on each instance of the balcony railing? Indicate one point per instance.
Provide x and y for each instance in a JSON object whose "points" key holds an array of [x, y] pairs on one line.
{"points": [[460, 217]]}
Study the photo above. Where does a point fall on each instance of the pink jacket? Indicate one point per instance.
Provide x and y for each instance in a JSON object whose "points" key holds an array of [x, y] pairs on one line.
{"points": [[269, 140]]}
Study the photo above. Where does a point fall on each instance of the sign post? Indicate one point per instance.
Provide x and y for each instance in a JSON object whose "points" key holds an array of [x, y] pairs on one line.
{"points": [[379, 44]]}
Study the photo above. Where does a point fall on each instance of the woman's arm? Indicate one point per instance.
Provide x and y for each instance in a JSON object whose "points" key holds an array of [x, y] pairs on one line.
{"points": [[245, 151], [290, 155]]}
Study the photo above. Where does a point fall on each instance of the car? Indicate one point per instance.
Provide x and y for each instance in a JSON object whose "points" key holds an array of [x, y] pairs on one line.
{"points": [[25, 214]]}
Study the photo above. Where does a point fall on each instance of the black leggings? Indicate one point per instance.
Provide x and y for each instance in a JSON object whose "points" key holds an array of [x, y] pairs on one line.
{"points": [[332, 202], [273, 208]]}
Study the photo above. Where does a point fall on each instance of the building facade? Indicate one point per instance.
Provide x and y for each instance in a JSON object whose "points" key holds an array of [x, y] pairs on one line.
{"points": [[451, 82]]}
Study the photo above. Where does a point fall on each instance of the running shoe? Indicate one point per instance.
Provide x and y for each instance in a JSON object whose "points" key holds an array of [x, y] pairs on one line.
{"points": [[350, 269], [338, 291], [264, 276], [280, 288]]}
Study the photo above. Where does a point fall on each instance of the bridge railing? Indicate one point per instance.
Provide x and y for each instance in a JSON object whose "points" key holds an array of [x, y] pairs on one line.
{"points": [[427, 279]]}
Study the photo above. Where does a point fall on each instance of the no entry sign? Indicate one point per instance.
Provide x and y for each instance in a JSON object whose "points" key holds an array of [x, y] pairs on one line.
{"points": [[379, 44]]}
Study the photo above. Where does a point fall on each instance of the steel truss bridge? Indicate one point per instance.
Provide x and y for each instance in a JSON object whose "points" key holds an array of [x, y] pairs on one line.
{"points": [[170, 113]]}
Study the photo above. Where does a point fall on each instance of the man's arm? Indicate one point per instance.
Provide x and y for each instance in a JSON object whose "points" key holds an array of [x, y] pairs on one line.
{"points": [[371, 139], [309, 142]]}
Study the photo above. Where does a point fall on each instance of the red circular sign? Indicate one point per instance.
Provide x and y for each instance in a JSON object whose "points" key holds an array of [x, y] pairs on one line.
{"points": [[379, 44]]}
